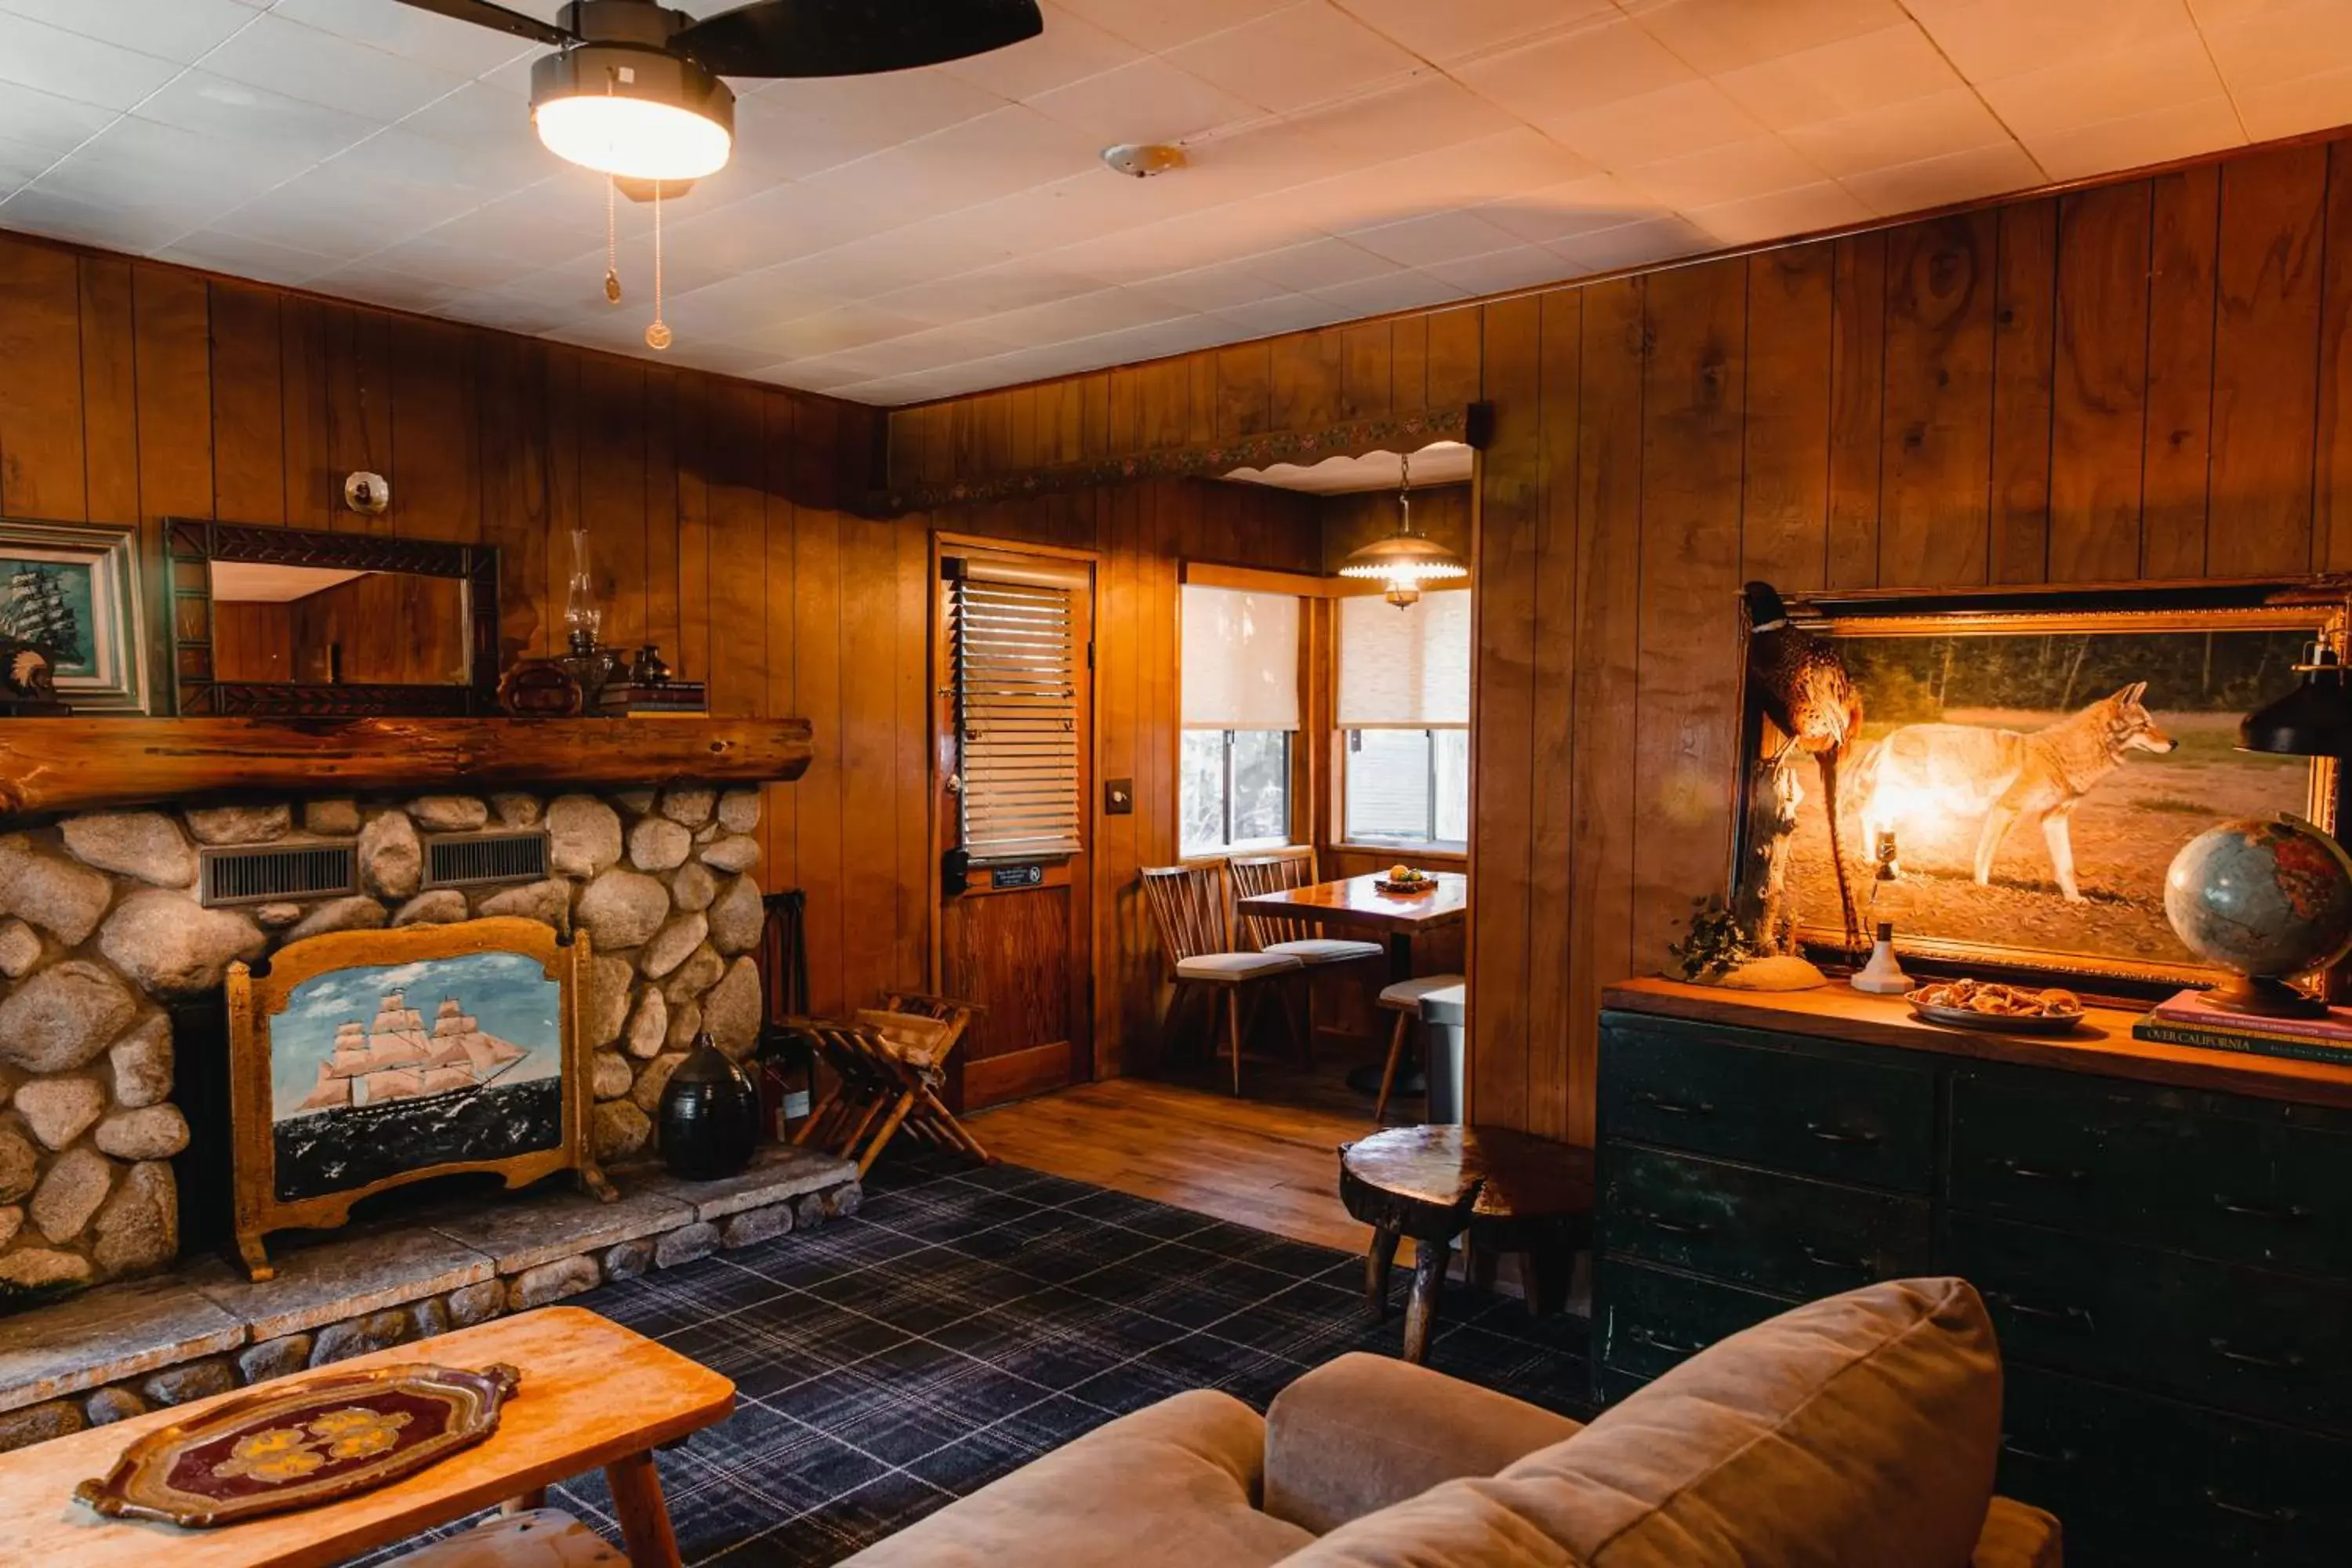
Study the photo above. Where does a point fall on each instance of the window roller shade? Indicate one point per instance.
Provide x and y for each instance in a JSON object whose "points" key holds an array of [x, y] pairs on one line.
{"points": [[1016, 693], [1240, 659], [1405, 670]]}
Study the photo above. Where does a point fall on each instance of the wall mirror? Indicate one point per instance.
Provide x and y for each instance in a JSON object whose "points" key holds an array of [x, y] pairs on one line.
{"points": [[286, 621]]}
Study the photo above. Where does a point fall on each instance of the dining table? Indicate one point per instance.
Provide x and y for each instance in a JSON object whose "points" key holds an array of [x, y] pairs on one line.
{"points": [[1360, 904]]}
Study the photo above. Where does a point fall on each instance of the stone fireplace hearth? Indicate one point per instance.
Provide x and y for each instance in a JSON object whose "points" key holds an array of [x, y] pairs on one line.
{"points": [[102, 937]]}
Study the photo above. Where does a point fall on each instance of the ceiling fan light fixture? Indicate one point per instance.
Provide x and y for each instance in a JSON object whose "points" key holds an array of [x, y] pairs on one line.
{"points": [[633, 112]]}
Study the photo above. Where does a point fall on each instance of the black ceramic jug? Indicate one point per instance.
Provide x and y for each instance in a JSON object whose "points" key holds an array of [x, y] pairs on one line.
{"points": [[710, 1115]]}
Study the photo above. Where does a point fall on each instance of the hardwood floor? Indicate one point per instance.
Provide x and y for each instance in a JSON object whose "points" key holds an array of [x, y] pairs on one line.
{"points": [[1273, 1167]]}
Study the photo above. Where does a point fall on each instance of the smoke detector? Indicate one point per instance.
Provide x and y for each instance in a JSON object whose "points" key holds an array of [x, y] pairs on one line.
{"points": [[1144, 159]]}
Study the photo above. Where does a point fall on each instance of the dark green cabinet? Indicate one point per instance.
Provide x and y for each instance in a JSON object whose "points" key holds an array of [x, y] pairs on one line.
{"points": [[2169, 1271]]}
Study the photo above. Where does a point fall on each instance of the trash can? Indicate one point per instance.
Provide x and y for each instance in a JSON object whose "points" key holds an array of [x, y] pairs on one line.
{"points": [[1444, 1012]]}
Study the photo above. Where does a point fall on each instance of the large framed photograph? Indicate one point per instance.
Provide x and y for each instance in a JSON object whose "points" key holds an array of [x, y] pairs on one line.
{"points": [[72, 589], [363, 1060], [2030, 762]]}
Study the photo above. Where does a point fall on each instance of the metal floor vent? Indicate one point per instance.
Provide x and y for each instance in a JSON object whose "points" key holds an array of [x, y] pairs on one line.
{"points": [[264, 873], [476, 860]]}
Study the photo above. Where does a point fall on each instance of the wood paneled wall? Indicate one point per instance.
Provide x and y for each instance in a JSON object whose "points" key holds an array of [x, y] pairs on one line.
{"points": [[131, 391], [2147, 379]]}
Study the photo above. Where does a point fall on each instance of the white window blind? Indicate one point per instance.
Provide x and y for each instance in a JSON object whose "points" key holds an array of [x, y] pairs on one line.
{"points": [[1240, 659], [1016, 692], [1404, 669]]}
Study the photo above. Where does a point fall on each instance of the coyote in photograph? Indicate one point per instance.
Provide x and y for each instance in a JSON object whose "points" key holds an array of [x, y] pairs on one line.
{"points": [[1960, 770]]}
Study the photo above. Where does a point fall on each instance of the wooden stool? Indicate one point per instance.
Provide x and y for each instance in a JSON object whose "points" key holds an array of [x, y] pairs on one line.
{"points": [[1506, 1191], [1404, 997]]}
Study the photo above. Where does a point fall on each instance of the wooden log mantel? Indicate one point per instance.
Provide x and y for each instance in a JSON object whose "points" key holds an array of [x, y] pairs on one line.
{"points": [[50, 765]]}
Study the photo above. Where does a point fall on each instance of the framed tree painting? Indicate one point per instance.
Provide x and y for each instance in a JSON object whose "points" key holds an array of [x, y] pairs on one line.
{"points": [[2029, 763], [72, 589], [363, 1060]]}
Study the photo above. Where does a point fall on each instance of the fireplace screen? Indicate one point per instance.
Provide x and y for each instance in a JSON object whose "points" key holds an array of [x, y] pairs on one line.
{"points": [[365, 1060]]}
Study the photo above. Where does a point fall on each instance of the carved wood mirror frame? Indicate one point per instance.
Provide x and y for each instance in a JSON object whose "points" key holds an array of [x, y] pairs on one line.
{"points": [[191, 546]]}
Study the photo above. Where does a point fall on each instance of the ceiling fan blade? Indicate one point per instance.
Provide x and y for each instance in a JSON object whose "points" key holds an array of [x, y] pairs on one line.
{"points": [[854, 37], [482, 14]]}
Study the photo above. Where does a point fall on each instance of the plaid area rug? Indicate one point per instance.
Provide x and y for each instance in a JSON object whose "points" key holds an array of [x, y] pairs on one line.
{"points": [[971, 1319]]}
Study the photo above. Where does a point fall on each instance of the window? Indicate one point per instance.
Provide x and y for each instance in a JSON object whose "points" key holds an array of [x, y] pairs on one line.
{"points": [[1240, 708], [1015, 642], [1404, 712]]}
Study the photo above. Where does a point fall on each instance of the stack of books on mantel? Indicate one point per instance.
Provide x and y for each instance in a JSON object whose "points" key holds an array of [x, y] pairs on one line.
{"points": [[637, 699], [2187, 1020]]}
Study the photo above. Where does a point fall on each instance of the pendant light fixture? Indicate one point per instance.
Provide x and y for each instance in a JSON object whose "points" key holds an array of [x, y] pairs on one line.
{"points": [[1405, 560]]}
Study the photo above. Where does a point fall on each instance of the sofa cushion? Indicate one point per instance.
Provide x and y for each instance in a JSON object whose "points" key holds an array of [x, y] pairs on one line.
{"points": [[1175, 1486], [1364, 1431], [1858, 1432]]}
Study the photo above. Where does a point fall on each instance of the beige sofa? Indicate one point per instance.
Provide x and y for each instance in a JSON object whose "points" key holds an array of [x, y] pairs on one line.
{"points": [[1852, 1433]]}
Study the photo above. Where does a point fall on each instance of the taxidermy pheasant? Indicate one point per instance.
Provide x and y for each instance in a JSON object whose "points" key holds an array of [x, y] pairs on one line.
{"points": [[1798, 682]]}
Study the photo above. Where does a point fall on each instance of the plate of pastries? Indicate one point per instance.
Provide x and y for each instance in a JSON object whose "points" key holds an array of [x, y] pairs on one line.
{"points": [[1993, 1004]]}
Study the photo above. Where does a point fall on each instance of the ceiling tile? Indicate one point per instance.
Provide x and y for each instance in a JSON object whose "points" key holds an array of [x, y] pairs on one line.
{"points": [[1632, 245], [2260, 44], [1575, 71], [1403, 289], [256, 258], [1521, 266], [325, 211], [1955, 120], [144, 228], [831, 331], [1718, 35], [198, 101], [71, 65], [1989, 39], [1434, 236], [2174, 131], [1667, 124], [1465, 27], [1318, 264], [459, 48], [1157, 25], [1284, 313], [1759, 166], [1565, 210], [1294, 58], [46, 121], [2319, 101], [1146, 100], [993, 290], [2129, 81], [1940, 181], [1219, 288], [177, 30], [799, 127], [1071, 49], [303, 62], [1807, 209], [1892, 66]]}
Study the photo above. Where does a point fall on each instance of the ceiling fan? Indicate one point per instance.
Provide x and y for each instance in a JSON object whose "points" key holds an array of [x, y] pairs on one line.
{"points": [[633, 90]]}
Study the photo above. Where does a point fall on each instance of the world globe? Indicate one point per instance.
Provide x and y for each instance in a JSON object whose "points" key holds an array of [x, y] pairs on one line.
{"points": [[2262, 896]]}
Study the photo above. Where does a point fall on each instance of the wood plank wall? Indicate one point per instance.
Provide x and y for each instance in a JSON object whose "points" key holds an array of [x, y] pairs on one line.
{"points": [[2148, 379], [131, 391]]}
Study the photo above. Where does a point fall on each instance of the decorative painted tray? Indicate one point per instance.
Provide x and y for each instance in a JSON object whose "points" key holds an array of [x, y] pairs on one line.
{"points": [[315, 1442], [1425, 885]]}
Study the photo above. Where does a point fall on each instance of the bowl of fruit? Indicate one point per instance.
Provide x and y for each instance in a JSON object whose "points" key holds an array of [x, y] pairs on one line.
{"points": [[1403, 879]]}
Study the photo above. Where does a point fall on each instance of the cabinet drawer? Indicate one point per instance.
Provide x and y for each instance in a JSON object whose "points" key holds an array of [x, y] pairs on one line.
{"points": [[2137, 1479], [1790, 1235], [1647, 1321], [1735, 1093], [2238, 1339], [2239, 1181]]}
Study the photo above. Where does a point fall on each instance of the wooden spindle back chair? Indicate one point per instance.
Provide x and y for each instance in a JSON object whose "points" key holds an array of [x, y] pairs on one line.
{"points": [[1192, 910], [1255, 875]]}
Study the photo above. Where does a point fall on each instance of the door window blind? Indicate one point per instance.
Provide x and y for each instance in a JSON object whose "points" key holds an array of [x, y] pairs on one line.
{"points": [[1015, 658], [1404, 669], [1240, 659]]}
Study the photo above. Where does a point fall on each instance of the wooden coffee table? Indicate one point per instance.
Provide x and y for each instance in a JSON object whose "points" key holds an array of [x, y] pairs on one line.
{"points": [[1506, 1191], [593, 1395]]}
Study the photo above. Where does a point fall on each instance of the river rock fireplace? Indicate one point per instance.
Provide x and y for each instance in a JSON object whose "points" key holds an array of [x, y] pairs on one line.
{"points": [[103, 936]]}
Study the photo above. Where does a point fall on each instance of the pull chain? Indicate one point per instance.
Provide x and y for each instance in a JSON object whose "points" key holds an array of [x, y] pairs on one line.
{"points": [[657, 336], [611, 245]]}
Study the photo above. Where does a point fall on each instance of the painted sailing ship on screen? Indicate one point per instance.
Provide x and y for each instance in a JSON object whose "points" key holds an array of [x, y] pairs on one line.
{"points": [[366, 1087]]}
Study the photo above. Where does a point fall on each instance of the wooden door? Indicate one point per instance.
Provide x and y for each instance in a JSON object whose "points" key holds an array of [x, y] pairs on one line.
{"points": [[1015, 746]]}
